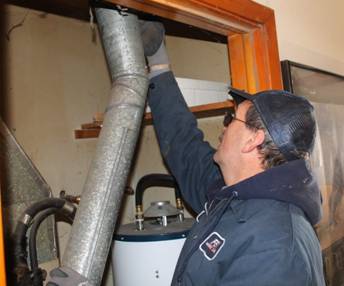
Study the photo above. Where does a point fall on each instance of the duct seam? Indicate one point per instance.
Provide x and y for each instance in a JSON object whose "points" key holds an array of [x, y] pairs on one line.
{"points": [[106, 199]]}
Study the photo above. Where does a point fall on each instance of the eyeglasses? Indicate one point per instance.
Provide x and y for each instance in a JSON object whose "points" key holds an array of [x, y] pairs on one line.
{"points": [[229, 117]]}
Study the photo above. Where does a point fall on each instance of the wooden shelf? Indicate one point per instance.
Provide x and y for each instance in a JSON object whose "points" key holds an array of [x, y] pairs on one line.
{"points": [[92, 130], [86, 133]]}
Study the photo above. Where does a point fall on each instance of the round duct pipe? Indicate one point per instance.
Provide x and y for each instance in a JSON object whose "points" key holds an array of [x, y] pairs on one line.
{"points": [[89, 244]]}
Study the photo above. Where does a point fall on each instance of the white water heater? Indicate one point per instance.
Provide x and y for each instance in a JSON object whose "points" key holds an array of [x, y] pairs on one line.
{"points": [[146, 252]]}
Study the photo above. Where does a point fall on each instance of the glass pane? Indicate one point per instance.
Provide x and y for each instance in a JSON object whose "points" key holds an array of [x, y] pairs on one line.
{"points": [[327, 163], [317, 86]]}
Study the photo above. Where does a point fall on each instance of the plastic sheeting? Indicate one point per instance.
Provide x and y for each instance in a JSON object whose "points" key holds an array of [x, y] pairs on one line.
{"points": [[328, 164]]}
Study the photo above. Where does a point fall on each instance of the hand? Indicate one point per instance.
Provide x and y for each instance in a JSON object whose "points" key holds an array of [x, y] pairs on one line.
{"points": [[153, 36]]}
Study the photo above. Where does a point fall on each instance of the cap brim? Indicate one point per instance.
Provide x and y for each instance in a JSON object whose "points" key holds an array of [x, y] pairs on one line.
{"points": [[239, 95]]}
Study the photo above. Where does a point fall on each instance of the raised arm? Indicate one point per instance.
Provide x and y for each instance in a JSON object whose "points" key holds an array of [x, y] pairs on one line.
{"points": [[182, 144]]}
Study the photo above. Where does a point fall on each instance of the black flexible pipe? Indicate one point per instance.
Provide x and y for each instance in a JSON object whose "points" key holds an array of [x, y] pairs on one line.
{"points": [[20, 254], [155, 180], [44, 204], [31, 211], [32, 243], [33, 233]]}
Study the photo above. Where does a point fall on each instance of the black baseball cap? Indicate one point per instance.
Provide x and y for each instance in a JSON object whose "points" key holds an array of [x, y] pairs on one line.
{"points": [[288, 118]]}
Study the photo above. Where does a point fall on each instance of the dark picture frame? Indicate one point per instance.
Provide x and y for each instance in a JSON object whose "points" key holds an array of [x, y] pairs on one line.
{"points": [[288, 68]]}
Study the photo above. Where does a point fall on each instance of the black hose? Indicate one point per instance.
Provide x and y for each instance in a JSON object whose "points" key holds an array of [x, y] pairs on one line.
{"points": [[38, 273], [44, 204], [20, 244], [20, 254], [37, 278], [155, 180], [21, 229]]}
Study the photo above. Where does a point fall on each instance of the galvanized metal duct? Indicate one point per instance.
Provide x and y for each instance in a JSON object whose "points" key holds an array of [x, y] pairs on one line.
{"points": [[93, 227]]}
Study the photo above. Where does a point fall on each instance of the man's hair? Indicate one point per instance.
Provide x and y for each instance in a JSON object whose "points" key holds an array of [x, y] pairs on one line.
{"points": [[270, 154]]}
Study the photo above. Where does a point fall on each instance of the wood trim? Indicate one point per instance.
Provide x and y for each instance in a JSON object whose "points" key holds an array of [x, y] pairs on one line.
{"points": [[198, 110], [92, 125], [215, 18], [261, 60], [205, 110], [243, 9], [249, 65], [86, 133], [237, 61], [254, 59]]}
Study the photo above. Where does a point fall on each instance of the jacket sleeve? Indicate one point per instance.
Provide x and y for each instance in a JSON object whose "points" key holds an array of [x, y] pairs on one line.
{"points": [[274, 267], [188, 156]]}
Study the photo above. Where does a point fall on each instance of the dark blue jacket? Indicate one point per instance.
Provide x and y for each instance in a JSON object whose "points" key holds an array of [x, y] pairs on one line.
{"points": [[257, 232]]}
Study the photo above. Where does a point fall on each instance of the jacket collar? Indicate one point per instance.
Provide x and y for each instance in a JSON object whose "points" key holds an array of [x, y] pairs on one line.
{"points": [[291, 182]]}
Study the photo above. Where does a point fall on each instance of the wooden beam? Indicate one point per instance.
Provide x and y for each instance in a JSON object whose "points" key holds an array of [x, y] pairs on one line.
{"points": [[249, 10], [215, 18], [237, 61], [86, 133], [254, 59], [261, 55], [244, 56]]}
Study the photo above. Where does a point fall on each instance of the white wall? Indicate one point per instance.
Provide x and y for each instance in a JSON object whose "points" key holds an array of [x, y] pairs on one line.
{"points": [[310, 32]]}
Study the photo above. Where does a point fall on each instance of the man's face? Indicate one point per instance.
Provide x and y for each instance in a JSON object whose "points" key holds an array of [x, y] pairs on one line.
{"points": [[233, 138]]}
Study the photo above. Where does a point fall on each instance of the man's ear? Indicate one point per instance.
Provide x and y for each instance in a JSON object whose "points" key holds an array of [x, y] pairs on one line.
{"points": [[256, 139]]}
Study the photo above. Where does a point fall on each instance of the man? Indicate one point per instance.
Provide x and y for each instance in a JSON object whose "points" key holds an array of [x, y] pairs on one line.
{"points": [[255, 196]]}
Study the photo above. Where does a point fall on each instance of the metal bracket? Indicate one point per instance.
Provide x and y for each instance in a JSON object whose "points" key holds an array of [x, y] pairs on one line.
{"points": [[123, 11]]}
